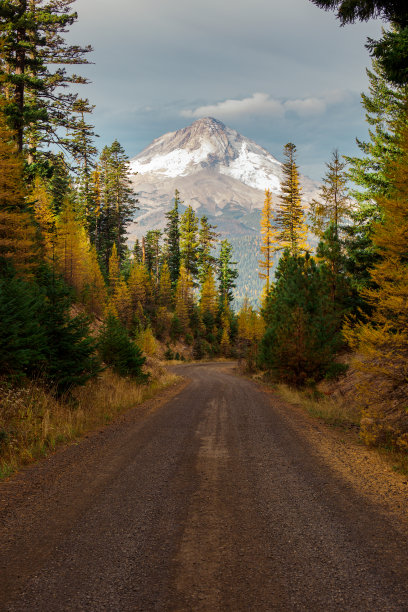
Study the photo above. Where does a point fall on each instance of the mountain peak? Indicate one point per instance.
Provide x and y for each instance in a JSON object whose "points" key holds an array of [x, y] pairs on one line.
{"points": [[208, 144]]}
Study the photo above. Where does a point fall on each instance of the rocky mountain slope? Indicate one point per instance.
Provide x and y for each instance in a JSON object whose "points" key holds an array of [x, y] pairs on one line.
{"points": [[219, 172]]}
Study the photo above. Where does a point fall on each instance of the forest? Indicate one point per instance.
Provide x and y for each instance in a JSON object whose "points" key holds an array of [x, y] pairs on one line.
{"points": [[81, 312]]}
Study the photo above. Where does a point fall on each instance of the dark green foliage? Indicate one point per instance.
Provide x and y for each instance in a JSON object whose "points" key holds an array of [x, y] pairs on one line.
{"points": [[152, 253], [176, 329], [38, 337], [172, 231], [169, 353], [302, 325], [227, 273], [118, 203], [118, 351], [385, 107], [70, 352], [189, 245], [31, 42], [330, 250], [22, 336]]}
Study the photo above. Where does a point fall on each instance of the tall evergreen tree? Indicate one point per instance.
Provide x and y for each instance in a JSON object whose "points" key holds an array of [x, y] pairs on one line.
{"points": [[31, 41], [118, 202], [81, 137], [172, 231], [152, 253], [384, 106], [227, 274], [333, 205], [189, 243], [289, 222]]}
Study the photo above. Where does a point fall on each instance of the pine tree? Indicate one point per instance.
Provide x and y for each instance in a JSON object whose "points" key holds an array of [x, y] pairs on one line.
{"points": [[22, 337], [118, 202], [118, 351], [226, 274], [384, 106], [70, 352], [334, 205], [189, 244], [172, 231], [152, 253], [139, 286], [289, 220], [81, 138], [301, 336], [31, 41], [71, 249], [137, 252], [268, 238]]}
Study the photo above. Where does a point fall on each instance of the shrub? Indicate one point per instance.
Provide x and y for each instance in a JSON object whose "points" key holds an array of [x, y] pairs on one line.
{"points": [[118, 351]]}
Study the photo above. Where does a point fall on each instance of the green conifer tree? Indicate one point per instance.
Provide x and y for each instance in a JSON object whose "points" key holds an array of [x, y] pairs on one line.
{"points": [[289, 220], [189, 244], [172, 239]]}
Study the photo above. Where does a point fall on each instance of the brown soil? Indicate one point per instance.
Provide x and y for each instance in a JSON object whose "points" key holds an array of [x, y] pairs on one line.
{"points": [[218, 496]]}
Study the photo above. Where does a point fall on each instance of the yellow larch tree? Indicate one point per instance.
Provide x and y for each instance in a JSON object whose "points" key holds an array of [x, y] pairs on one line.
{"points": [[184, 297], [165, 289], [381, 344], [209, 295], [123, 303], [251, 328], [72, 248], [114, 269], [269, 243], [96, 293], [139, 284], [17, 233], [45, 218]]}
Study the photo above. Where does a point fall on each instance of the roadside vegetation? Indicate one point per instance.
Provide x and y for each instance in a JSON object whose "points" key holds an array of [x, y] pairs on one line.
{"points": [[34, 422]]}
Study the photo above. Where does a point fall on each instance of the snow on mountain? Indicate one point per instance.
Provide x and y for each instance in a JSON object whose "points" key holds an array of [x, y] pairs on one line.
{"points": [[209, 144], [221, 173]]}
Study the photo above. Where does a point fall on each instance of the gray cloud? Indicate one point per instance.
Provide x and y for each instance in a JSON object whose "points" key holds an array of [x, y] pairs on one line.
{"points": [[262, 104], [159, 64]]}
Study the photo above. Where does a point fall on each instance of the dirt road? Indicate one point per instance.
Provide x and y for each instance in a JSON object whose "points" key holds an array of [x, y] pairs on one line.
{"points": [[217, 498]]}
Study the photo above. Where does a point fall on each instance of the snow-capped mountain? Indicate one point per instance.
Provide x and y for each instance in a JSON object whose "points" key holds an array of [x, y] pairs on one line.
{"points": [[217, 170], [223, 175]]}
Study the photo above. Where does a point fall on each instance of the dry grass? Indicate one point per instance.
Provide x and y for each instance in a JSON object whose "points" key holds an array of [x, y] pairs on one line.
{"points": [[333, 410], [33, 422]]}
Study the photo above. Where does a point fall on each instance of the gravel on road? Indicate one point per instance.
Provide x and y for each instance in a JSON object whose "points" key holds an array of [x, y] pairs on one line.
{"points": [[216, 497]]}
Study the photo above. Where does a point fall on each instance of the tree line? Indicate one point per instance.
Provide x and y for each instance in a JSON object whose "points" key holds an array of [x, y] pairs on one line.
{"points": [[350, 294]]}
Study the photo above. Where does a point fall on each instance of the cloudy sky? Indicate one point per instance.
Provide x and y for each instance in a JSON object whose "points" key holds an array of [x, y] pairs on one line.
{"points": [[275, 70]]}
